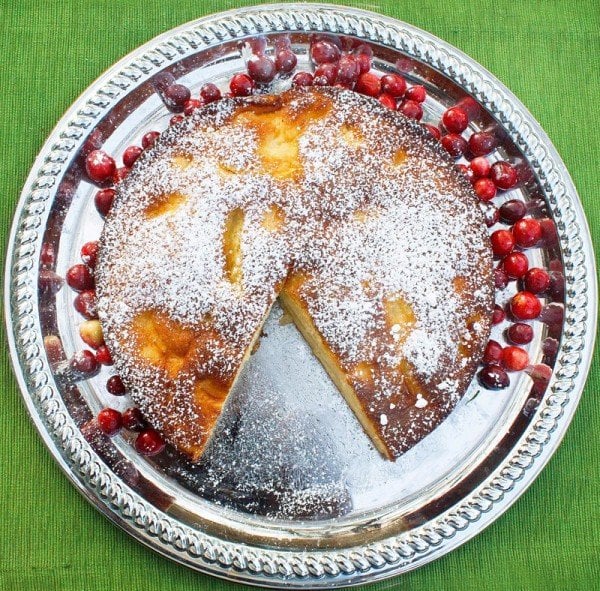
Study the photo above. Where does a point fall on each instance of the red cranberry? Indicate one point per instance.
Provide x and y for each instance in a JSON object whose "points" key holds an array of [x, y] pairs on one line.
{"points": [[49, 282], [387, 101], [369, 84], [454, 144], [525, 306], [347, 71], [134, 420], [89, 253], [175, 96], [416, 93], [527, 232], [149, 139], [466, 171], [110, 421], [536, 280], [550, 347], [131, 154], [557, 285], [393, 84], [85, 304], [103, 356], [480, 166], [515, 265], [285, 61], [363, 49], [261, 69], [99, 166], [455, 120], [115, 386], [514, 358], [412, 109], [500, 278], [520, 333], [504, 175], [492, 352], [493, 377], [162, 81], [210, 93], [502, 242], [433, 130], [120, 174], [84, 363], [549, 233], [512, 211], [79, 278], [364, 62], [47, 254], [498, 315], [190, 106], [104, 200], [149, 443], [327, 71], [302, 79], [241, 85], [484, 189], [470, 106], [257, 44], [324, 52], [482, 143], [176, 119]]}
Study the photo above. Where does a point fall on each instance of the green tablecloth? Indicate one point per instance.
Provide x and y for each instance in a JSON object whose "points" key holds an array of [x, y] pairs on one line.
{"points": [[547, 52]]}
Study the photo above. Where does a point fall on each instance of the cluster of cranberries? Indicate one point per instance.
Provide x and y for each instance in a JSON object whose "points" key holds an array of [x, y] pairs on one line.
{"points": [[346, 63]]}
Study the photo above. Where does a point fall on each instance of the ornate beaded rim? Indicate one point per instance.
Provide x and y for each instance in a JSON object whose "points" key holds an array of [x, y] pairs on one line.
{"points": [[272, 567]]}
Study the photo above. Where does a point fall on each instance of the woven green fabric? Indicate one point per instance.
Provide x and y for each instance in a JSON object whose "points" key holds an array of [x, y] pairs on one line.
{"points": [[547, 52]]}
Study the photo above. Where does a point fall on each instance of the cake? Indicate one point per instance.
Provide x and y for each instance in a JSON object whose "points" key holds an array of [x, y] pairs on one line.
{"points": [[347, 212]]}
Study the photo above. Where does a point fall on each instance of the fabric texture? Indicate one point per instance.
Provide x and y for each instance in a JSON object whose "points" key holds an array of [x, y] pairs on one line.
{"points": [[547, 52]]}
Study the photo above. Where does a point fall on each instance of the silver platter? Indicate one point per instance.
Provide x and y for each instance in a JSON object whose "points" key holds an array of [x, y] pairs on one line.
{"points": [[292, 494]]}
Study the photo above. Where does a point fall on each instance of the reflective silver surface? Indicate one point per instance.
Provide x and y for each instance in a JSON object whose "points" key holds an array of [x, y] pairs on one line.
{"points": [[291, 493]]}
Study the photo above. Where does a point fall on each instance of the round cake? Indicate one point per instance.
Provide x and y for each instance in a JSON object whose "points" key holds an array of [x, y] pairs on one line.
{"points": [[349, 213]]}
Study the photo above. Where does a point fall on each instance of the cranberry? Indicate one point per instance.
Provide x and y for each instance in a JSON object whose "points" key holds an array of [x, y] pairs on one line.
{"points": [[321, 81], [84, 363], [527, 232], [369, 84], [348, 71], [257, 44], [549, 233], [500, 278], [393, 84], [327, 71], [491, 215], [302, 79], [99, 166], [536, 280], [175, 96], [557, 285], [363, 49], [493, 377], [484, 189], [520, 333], [104, 200], [162, 81], [553, 314], [525, 306], [480, 166], [433, 130], [120, 174], [134, 420], [498, 315], [79, 278], [388, 101], [550, 347], [89, 253], [515, 265], [416, 93], [210, 93], [103, 355], [324, 52], [149, 443], [512, 211], [261, 69], [110, 421], [470, 106], [285, 61], [492, 352], [514, 358], [241, 85], [149, 138], [47, 254], [502, 242], [115, 386], [85, 304], [466, 171], [482, 143], [455, 120], [131, 154], [190, 106], [412, 109], [364, 62], [504, 175], [49, 282], [176, 119]]}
